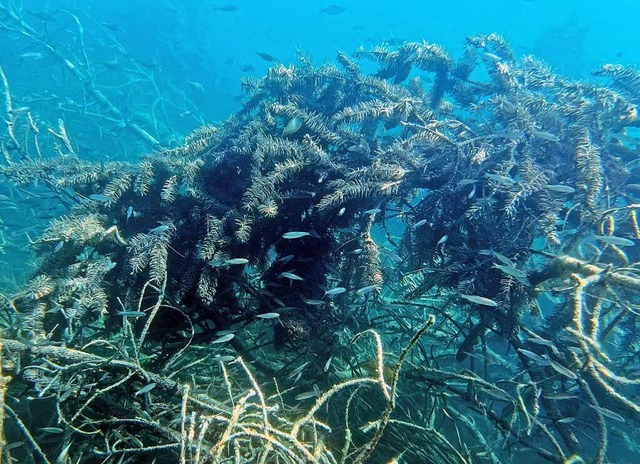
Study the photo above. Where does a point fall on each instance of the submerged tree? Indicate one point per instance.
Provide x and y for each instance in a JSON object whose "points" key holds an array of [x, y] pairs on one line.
{"points": [[486, 190]]}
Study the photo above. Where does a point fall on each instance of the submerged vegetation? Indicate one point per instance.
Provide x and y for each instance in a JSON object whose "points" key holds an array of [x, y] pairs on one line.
{"points": [[252, 294]]}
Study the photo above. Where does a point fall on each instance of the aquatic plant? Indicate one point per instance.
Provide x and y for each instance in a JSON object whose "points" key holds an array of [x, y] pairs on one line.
{"points": [[485, 190]]}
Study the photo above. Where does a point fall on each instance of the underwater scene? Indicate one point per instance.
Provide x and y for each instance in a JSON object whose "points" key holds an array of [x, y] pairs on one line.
{"points": [[319, 232]]}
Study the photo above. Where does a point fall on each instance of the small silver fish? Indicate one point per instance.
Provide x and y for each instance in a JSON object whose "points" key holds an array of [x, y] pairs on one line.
{"points": [[223, 339], [99, 198], [373, 211], [197, 86], [290, 276], [130, 313], [292, 126], [499, 179], [295, 235], [543, 361], [268, 316], [608, 413], [129, 213], [420, 223], [159, 229], [511, 270], [567, 420], [327, 365], [335, 291], [560, 396], [225, 332], [479, 300], [146, 389], [613, 240], [50, 430], [31, 56], [367, 289], [298, 370], [236, 261], [504, 259], [541, 341], [545, 136], [306, 395], [285, 259], [560, 369], [21, 109], [491, 56], [497, 394], [560, 188]]}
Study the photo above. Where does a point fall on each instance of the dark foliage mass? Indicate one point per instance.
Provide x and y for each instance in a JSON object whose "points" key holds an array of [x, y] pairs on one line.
{"points": [[483, 200]]}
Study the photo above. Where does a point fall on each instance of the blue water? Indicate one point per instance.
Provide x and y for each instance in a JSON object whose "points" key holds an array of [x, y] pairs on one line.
{"points": [[191, 40], [170, 66]]}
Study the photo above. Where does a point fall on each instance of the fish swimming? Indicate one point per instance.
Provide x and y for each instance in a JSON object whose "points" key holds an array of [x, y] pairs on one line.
{"points": [[335, 291], [511, 270], [99, 197], [613, 240], [545, 136], [130, 313], [236, 261], [146, 389], [560, 369], [31, 56], [292, 126], [223, 339], [290, 276], [504, 180], [228, 8], [559, 188], [333, 10], [367, 289], [266, 57], [197, 86], [159, 229], [295, 235], [268, 316], [543, 361], [479, 300]]}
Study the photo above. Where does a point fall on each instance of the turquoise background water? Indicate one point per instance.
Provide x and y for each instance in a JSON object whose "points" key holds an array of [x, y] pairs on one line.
{"points": [[192, 40]]}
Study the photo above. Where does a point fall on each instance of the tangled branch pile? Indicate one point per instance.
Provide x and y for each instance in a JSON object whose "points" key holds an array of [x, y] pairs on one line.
{"points": [[485, 189]]}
